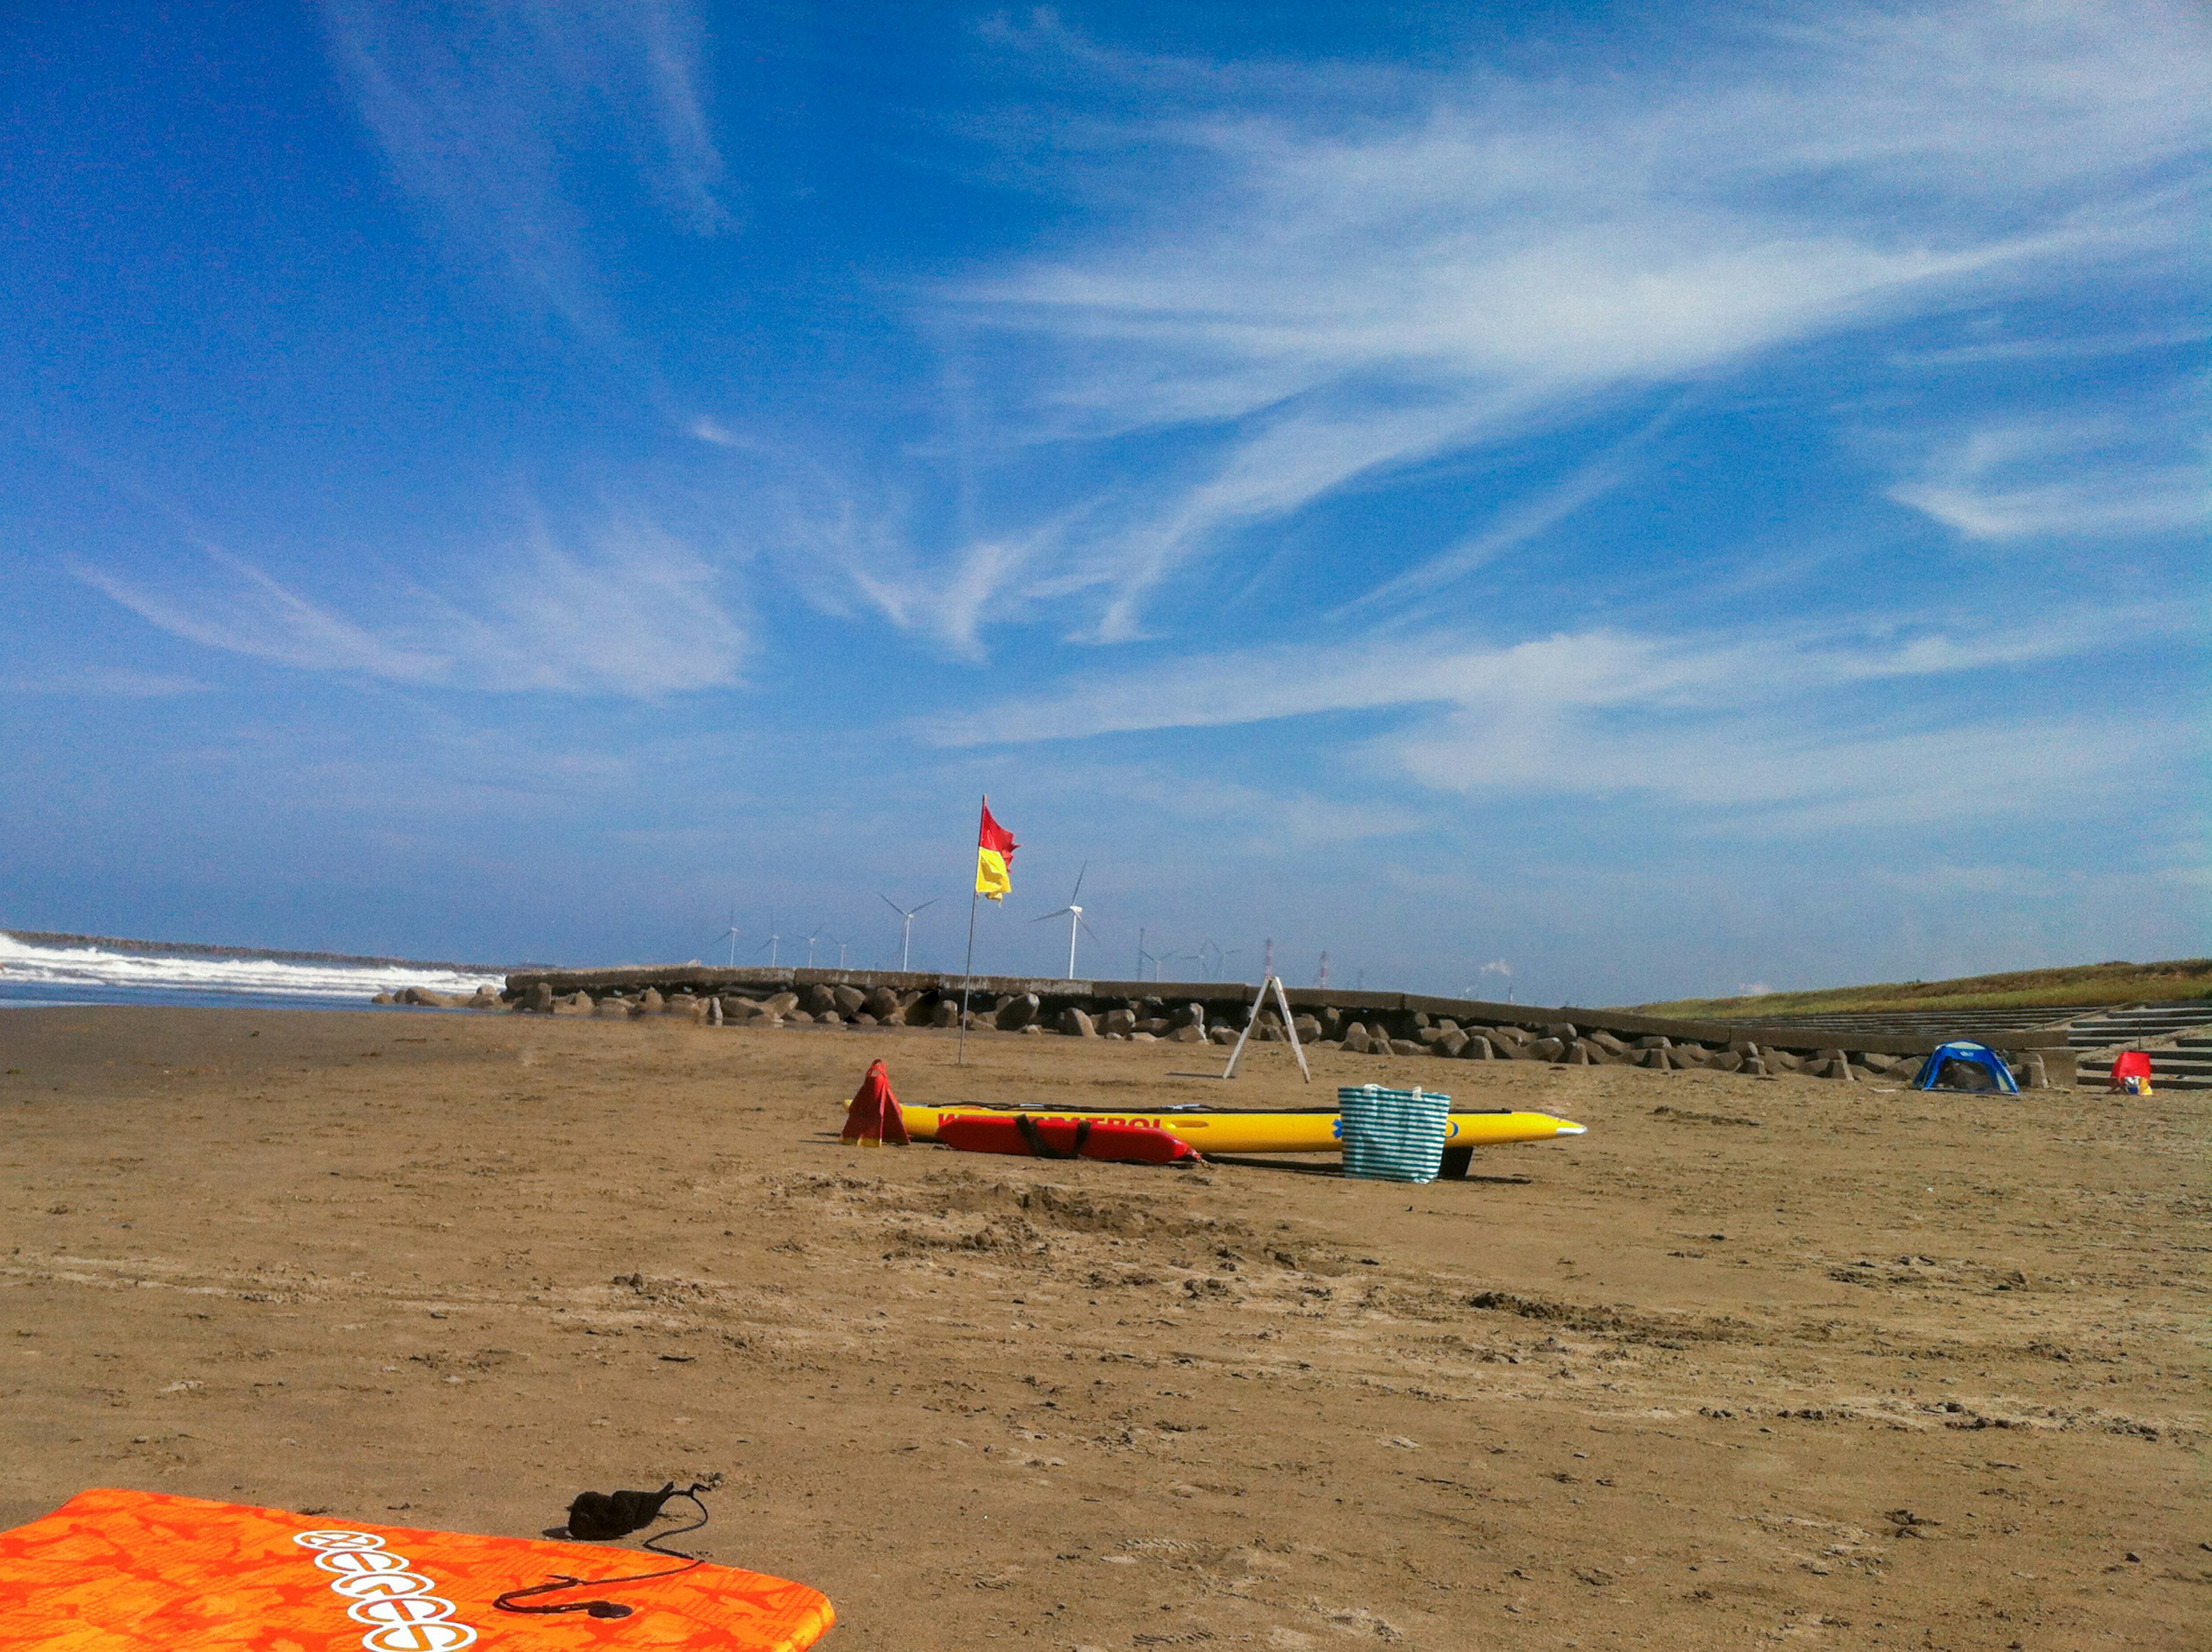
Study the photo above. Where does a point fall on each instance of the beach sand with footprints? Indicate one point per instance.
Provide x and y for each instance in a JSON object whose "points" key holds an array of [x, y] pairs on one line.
{"points": [[1755, 1361]]}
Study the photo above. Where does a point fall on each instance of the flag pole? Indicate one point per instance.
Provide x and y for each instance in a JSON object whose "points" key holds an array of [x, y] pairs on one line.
{"points": [[968, 976], [968, 980]]}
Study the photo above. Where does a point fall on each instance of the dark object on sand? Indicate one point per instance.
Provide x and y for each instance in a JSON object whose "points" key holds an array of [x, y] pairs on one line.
{"points": [[596, 1516]]}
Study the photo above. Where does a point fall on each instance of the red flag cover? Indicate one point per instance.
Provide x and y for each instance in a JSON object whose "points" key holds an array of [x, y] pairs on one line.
{"points": [[2131, 1064], [874, 1115]]}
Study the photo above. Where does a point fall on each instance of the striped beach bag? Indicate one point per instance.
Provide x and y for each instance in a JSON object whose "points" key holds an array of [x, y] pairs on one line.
{"points": [[1394, 1135]]}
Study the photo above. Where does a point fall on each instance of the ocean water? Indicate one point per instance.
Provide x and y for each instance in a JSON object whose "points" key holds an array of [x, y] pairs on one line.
{"points": [[42, 977]]}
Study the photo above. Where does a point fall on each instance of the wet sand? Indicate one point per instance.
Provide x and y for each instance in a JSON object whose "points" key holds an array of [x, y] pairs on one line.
{"points": [[1754, 1361]]}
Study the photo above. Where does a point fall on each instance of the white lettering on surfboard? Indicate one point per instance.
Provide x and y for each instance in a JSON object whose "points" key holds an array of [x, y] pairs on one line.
{"points": [[403, 1614]]}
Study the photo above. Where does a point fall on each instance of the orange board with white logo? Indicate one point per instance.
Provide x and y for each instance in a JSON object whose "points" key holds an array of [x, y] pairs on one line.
{"points": [[135, 1571]]}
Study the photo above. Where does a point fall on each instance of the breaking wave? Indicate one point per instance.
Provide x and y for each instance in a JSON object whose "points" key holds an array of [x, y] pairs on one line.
{"points": [[92, 973]]}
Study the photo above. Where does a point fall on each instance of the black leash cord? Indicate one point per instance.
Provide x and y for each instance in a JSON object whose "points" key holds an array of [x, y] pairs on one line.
{"points": [[561, 1581]]}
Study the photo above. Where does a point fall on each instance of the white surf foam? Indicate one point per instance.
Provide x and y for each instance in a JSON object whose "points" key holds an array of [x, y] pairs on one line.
{"points": [[24, 964]]}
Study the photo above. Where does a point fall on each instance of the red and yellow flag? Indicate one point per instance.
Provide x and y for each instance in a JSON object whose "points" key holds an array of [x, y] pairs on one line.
{"points": [[994, 858]]}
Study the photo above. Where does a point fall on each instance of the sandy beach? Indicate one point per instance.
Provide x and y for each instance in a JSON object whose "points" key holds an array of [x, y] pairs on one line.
{"points": [[1754, 1361]]}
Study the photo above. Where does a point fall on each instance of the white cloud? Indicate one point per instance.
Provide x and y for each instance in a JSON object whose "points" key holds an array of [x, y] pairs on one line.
{"points": [[2035, 479], [1530, 519], [642, 615], [1263, 821], [1944, 879], [1763, 732], [1388, 268], [995, 578], [1591, 669], [487, 108], [2010, 350], [247, 612], [104, 681], [1764, 768], [638, 614]]}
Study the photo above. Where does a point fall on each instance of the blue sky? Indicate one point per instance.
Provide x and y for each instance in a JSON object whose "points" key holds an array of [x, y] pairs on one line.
{"points": [[1650, 500]]}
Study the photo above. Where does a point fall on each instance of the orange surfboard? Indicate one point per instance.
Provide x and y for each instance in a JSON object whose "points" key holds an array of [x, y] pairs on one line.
{"points": [[135, 1571]]}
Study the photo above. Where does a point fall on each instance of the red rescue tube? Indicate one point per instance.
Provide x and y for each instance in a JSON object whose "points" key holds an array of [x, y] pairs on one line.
{"points": [[1043, 1137]]}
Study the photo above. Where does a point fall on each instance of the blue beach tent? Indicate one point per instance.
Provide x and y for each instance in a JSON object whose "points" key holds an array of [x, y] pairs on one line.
{"points": [[1979, 1055]]}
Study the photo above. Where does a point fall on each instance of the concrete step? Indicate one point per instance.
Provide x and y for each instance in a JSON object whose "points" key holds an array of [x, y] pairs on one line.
{"points": [[2101, 1031], [2127, 1044], [2180, 1013], [2171, 1012], [2175, 1058], [1929, 1023]]}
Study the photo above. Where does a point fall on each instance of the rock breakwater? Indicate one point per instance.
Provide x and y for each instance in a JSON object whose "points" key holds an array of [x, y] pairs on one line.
{"points": [[1216, 1013]]}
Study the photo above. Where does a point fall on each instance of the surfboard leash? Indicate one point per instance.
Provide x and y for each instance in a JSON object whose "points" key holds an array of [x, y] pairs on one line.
{"points": [[597, 1516]]}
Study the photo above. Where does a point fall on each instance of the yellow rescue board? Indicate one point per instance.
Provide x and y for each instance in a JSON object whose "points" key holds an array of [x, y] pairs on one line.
{"points": [[1259, 1132]]}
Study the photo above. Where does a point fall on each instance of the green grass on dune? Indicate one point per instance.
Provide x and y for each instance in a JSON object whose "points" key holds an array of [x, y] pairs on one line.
{"points": [[2086, 983]]}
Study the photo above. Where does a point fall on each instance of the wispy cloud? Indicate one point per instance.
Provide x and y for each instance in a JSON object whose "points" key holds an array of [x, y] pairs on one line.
{"points": [[2004, 352], [1947, 879], [2056, 478], [1759, 769], [1528, 520], [107, 683], [714, 431], [245, 611], [637, 614], [1764, 733], [1553, 675], [640, 613], [958, 603], [1262, 820], [497, 111], [1382, 268]]}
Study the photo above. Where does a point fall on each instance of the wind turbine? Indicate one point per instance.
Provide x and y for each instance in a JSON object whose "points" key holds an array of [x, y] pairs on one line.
{"points": [[841, 945], [1145, 957], [810, 940], [731, 935], [772, 946], [1074, 914], [906, 921]]}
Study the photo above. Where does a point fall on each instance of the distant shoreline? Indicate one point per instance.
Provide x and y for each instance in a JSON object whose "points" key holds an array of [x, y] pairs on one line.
{"points": [[193, 950]]}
